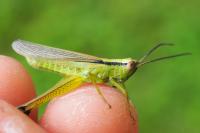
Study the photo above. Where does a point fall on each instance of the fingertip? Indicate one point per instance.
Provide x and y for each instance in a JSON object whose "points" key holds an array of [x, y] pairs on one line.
{"points": [[13, 121], [85, 111], [16, 86]]}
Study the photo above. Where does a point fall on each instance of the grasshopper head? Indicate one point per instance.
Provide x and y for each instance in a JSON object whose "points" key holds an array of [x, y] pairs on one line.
{"points": [[131, 67]]}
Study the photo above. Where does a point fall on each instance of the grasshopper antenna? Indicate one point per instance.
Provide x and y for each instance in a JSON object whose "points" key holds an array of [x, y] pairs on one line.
{"points": [[162, 58], [141, 61], [153, 49]]}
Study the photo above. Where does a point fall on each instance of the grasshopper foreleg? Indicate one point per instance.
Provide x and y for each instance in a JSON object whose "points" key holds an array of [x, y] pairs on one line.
{"points": [[121, 88], [99, 91]]}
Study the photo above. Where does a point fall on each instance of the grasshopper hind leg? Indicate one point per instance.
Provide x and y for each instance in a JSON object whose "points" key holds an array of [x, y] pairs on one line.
{"points": [[23, 109]]}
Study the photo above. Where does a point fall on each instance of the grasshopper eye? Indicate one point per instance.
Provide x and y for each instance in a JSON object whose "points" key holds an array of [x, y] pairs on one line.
{"points": [[131, 65]]}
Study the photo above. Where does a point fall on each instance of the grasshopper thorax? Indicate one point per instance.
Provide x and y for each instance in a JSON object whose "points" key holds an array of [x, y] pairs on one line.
{"points": [[122, 69]]}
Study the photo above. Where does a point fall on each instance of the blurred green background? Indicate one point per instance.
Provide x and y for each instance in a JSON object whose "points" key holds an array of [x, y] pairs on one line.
{"points": [[166, 94]]}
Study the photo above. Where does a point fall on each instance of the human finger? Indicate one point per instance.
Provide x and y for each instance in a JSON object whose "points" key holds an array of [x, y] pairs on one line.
{"points": [[85, 111], [16, 86]]}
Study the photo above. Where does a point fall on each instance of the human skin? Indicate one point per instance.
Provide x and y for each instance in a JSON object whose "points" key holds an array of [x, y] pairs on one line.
{"points": [[81, 111], [16, 86]]}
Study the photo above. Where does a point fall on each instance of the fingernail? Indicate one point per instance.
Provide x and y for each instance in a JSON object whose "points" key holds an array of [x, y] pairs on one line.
{"points": [[4, 107], [13, 121], [8, 122]]}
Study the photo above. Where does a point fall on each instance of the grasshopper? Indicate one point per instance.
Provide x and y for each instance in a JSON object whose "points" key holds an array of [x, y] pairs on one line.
{"points": [[77, 68]]}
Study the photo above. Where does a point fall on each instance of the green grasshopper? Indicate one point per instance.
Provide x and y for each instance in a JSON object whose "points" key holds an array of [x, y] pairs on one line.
{"points": [[77, 68]]}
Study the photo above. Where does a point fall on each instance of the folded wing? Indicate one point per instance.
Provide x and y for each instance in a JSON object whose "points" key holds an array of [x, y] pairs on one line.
{"points": [[37, 51]]}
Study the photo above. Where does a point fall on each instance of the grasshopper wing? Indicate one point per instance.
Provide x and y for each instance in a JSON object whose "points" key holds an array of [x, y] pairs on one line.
{"points": [[37, 51]]}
